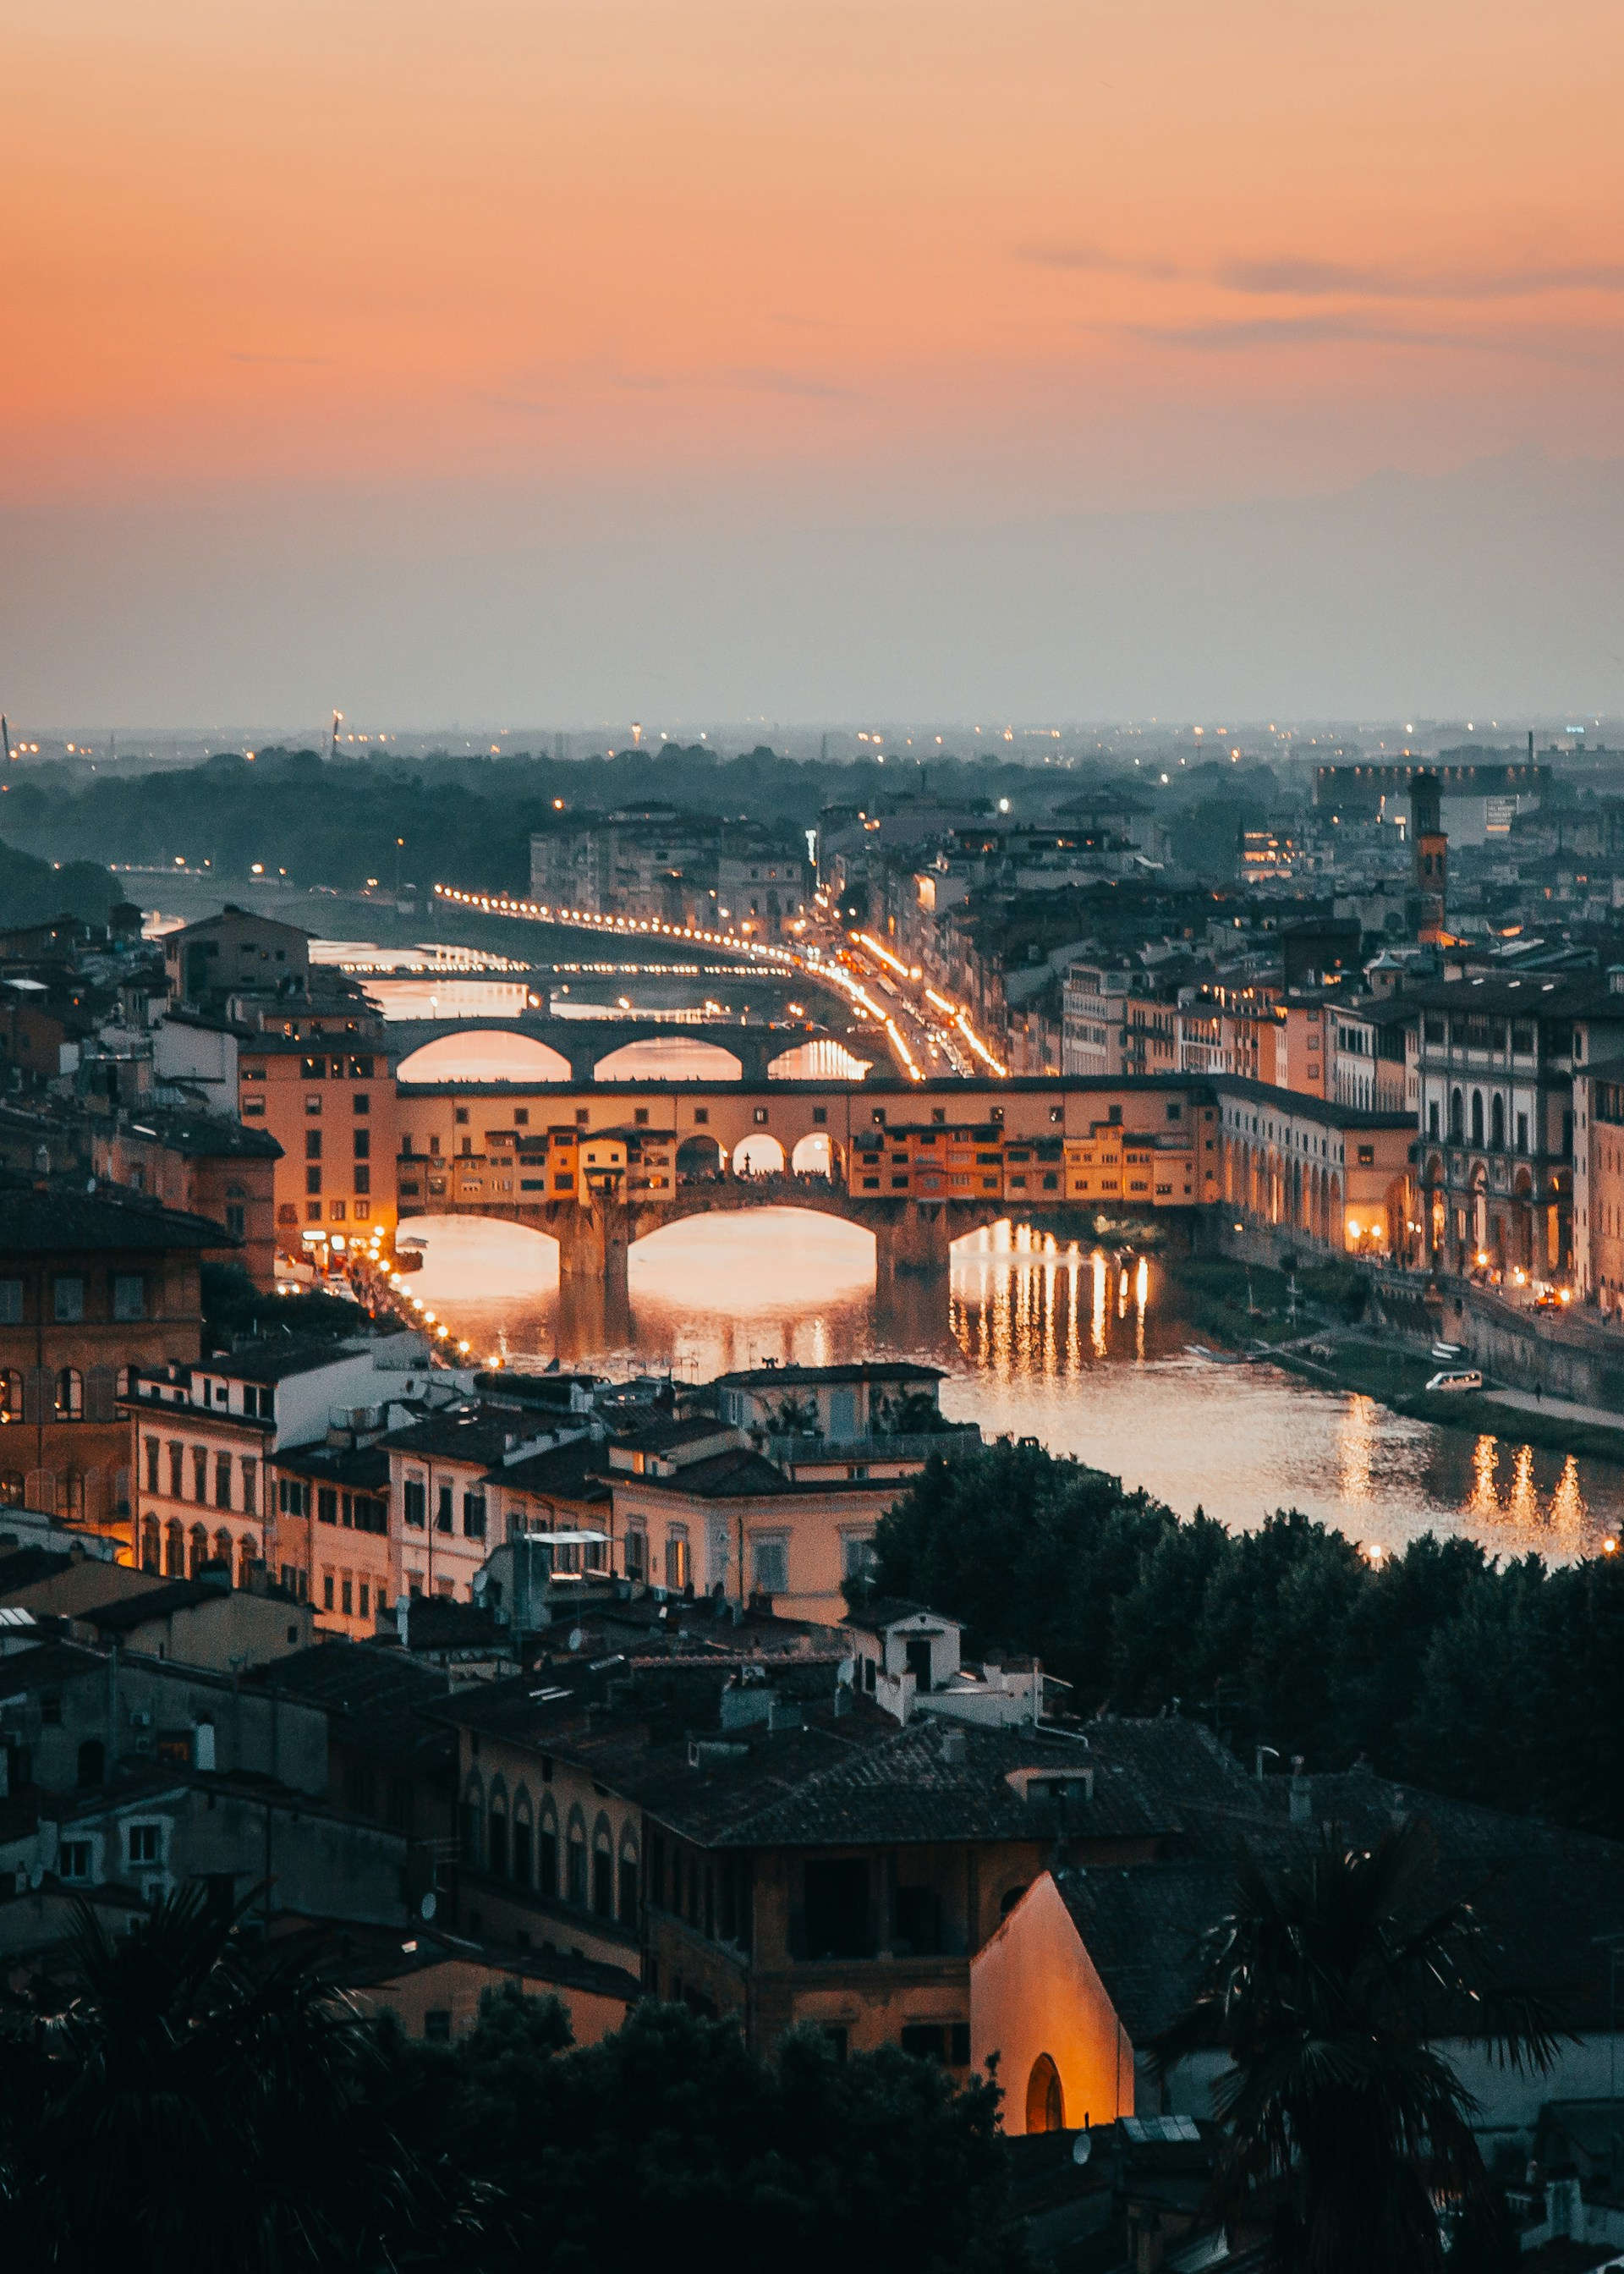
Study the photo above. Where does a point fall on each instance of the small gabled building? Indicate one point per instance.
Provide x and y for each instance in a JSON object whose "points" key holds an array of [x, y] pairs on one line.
{"points": [[1097, 1959], [203, 1621]]}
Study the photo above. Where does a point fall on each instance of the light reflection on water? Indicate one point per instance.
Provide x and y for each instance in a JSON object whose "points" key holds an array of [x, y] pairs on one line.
{"points": [[1085, 1350]]}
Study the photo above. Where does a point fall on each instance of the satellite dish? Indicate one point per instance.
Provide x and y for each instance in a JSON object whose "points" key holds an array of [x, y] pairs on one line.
{"points": [[577, 1637], [427, 1907], [1082, 2147]]}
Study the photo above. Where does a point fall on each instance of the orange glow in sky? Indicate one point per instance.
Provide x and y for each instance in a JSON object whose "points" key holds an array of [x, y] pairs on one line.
{"points": [[585, 240], [949, 260]]}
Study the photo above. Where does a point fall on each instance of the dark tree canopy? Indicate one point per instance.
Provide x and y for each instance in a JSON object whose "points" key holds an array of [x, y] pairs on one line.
{"points": [[1500, 1684]]}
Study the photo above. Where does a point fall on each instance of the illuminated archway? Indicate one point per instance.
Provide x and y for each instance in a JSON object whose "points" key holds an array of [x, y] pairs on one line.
{"points": [[1045, 2101], [486, 1054], [462, 1254], [813, 1155], [758, 1154], [822, 1060], [669, 1058]]}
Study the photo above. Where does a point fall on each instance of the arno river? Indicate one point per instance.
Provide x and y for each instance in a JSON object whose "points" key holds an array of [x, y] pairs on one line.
{"points": [[1054, 1344], [1065, 1345]]}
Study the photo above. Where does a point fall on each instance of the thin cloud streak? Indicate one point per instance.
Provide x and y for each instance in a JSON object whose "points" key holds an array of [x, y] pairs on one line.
{"points": [[1601, 348], [1322, 279], [1291, 276], [1093, 258]]}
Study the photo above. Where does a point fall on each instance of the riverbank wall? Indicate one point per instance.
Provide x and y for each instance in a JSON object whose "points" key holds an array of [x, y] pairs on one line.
{"points": [[1563, 1356]]}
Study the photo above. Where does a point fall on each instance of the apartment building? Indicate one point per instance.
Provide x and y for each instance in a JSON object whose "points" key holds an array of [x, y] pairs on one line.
{"points": [[1372, 1064], [446, 1501], [1598, 1184], [698, 1511], [206, 1165], [206, 1442], [93, 1284], [1303, 1051], [333, 1111], [220, 956], [1496, 1062]]}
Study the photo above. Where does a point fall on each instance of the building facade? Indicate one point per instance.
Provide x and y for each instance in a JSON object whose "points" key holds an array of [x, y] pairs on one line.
{"points": [[92, 1286]]}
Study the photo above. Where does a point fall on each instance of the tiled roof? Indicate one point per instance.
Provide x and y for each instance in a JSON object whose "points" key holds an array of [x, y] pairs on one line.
{"points": [[364, 1468], [381, 1699], [50, 1662], [1546, 1893], [577, 1471], [885, 1610], [854, 1776], [126, 1612], [738, 1473], [1149, 1778], [62, 1217], [741, 1473], [25, 1567], [667, 1433], [278, 1359], [205, 1136], [475, 1433], [359, 1957]]}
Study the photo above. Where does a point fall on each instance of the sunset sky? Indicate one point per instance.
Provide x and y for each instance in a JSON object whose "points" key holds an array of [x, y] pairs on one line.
{"points": [[565, 360]]}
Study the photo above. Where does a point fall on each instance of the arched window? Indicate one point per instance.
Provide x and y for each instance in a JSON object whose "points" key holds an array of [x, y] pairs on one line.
{"points": [[496, 1830], [473, 1822], [174, 1549], [603, 1870], [199, 1550], [1457, 1116], [223, 1547], [247, 1555], [1497, 1122], [69, 1395], [628, 1880], [11, 1395], [574, 1886], [548, 1853], [150, 1548], [523, 1840], [92, 1762], [1045, 2102], [1477, 1116], [1011, 1899], [11, 1487]]}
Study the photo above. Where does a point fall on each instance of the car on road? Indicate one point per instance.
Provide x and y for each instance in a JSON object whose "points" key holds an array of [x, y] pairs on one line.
{"points": [[1466, 1377]]}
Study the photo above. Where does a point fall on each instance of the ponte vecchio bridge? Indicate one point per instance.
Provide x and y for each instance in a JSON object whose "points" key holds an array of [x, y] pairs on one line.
{"points": [[600, 1163], [575, 1144]]}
